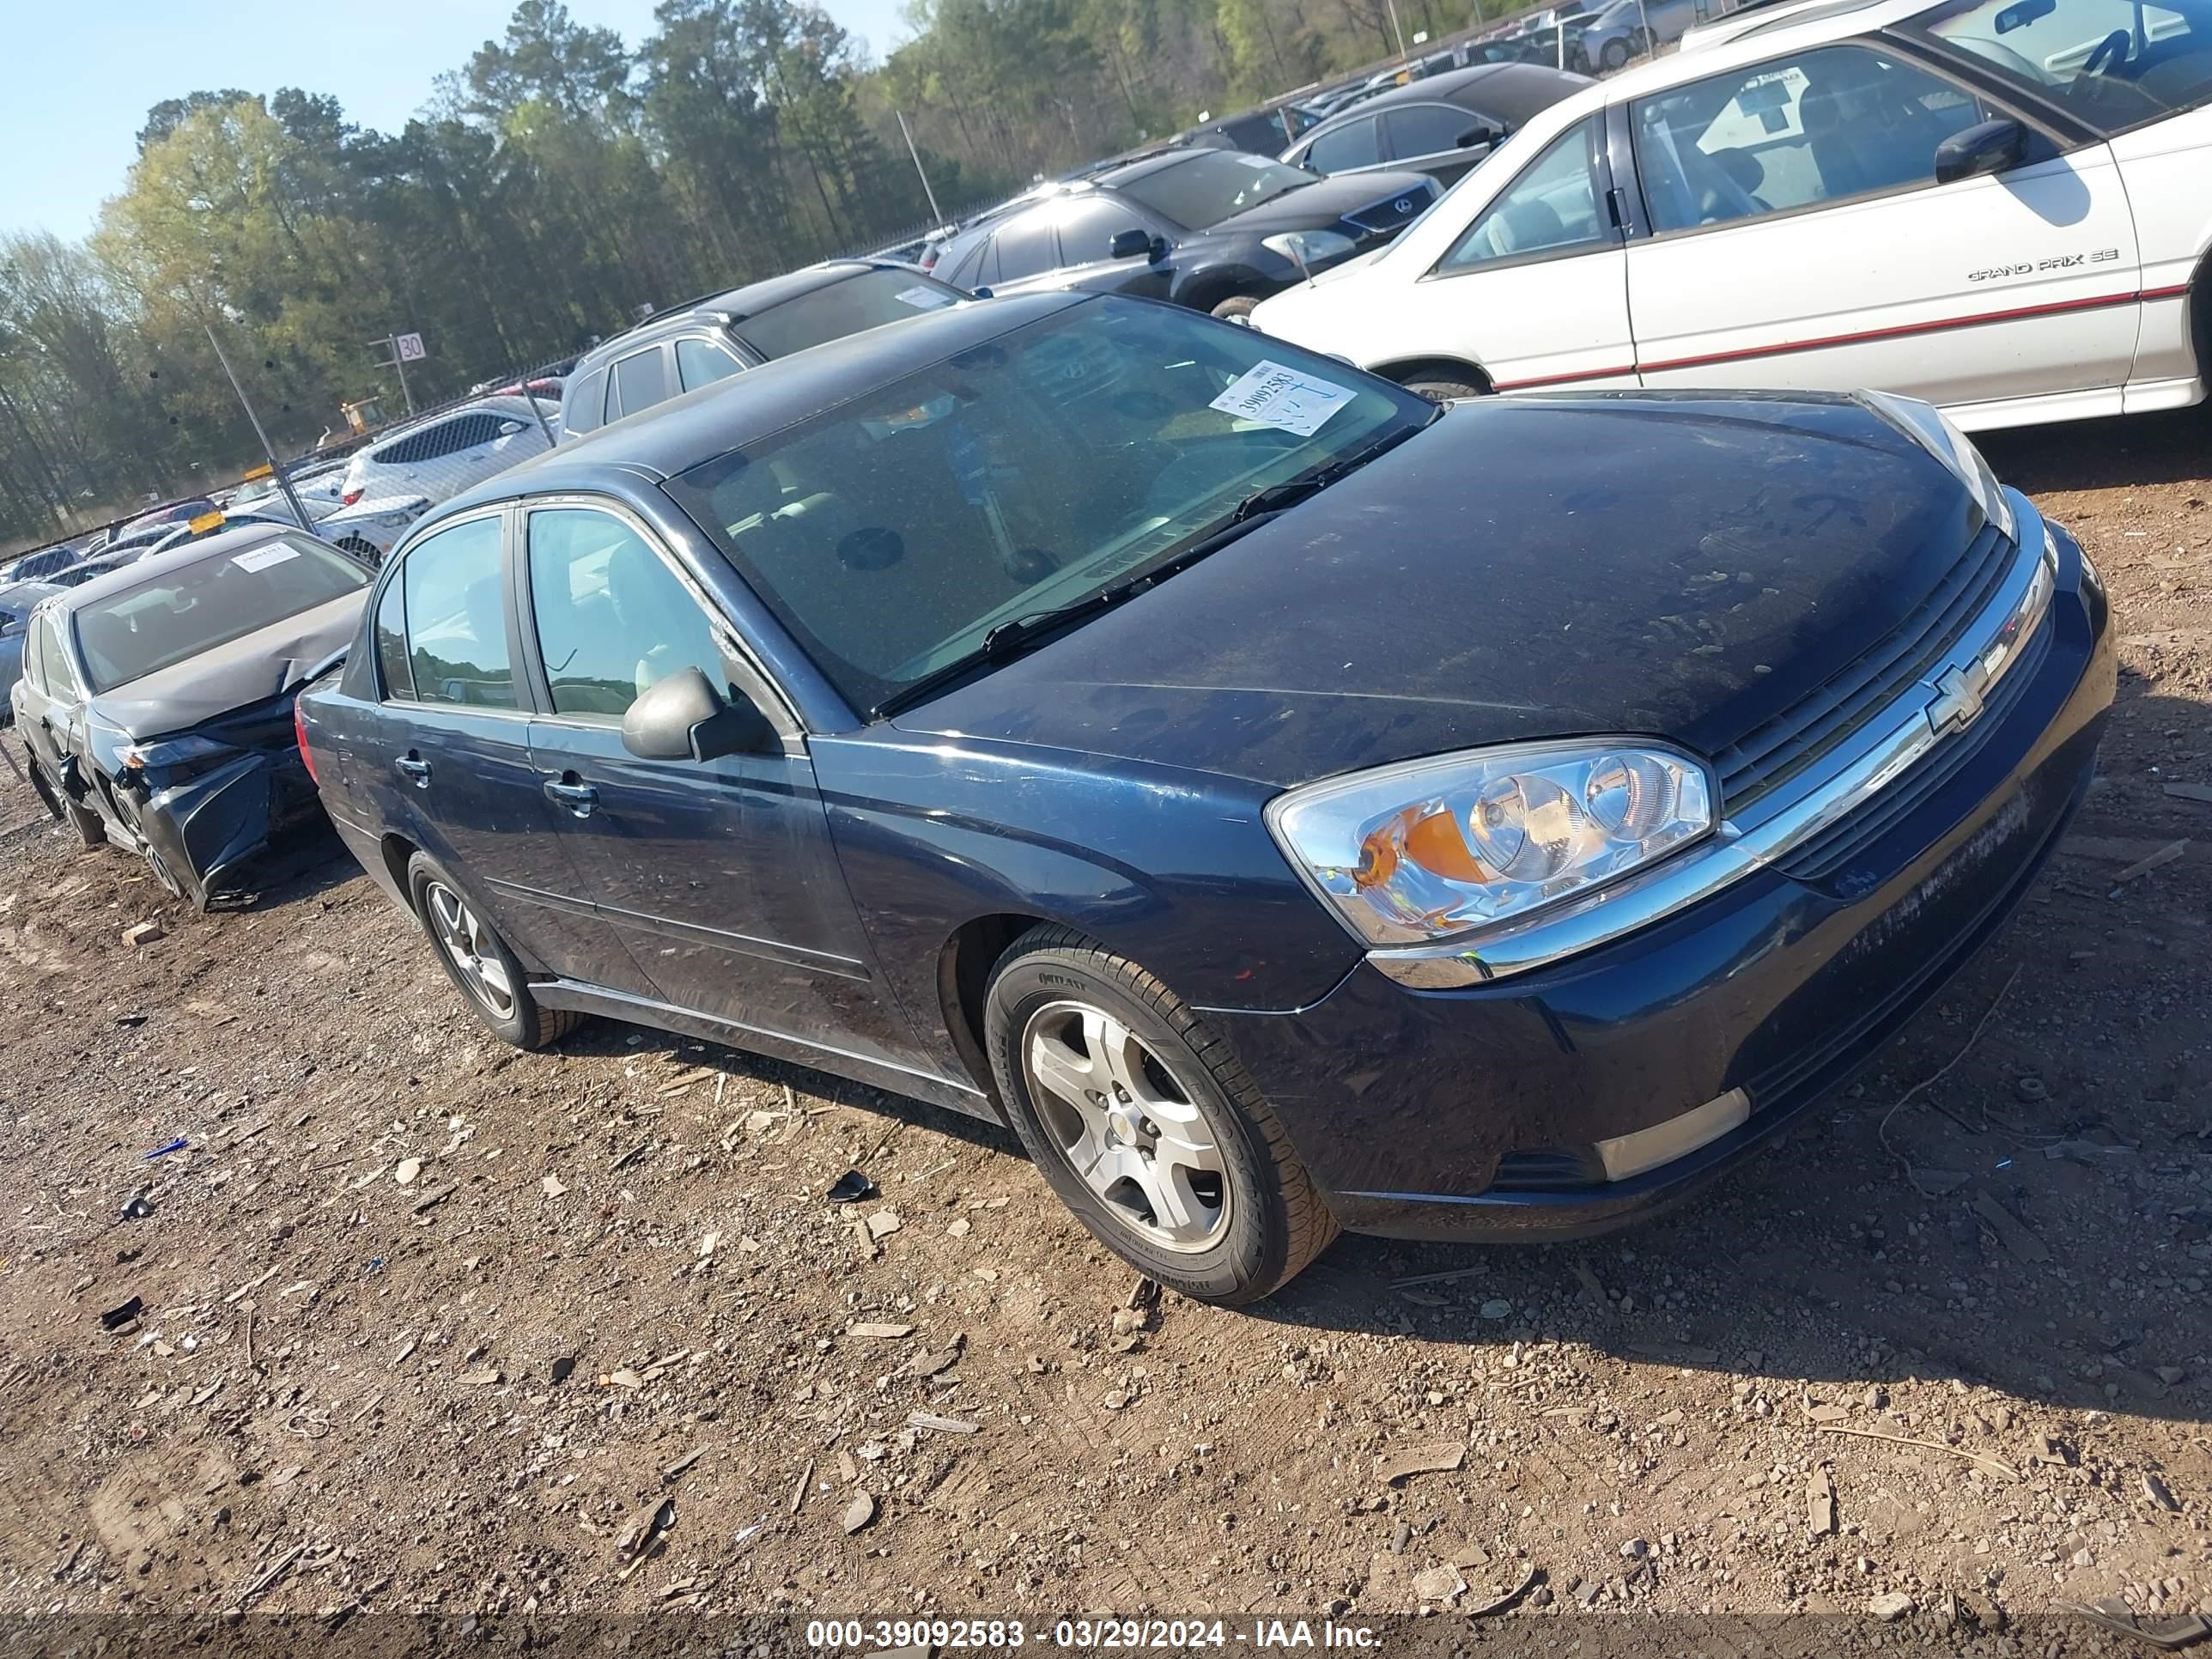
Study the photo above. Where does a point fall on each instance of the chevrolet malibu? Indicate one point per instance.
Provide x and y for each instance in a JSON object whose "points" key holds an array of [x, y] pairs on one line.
{"points": [[1290, 804]]}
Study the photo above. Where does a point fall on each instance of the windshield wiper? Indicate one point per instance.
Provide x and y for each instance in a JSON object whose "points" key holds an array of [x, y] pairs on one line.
{"points": [[1018, 634]]}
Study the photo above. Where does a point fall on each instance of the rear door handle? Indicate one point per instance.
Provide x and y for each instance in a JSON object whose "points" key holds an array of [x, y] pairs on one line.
{"points": [[579, 798], [415, 769]]}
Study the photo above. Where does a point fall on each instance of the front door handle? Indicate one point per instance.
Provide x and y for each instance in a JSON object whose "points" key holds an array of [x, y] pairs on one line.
{"points": [[578, 797], [415, 769]]}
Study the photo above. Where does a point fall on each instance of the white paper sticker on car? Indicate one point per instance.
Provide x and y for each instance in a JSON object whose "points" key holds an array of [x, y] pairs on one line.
{"points": [[261, 558], [923, 298], [1257, 160], [1280, 396]]}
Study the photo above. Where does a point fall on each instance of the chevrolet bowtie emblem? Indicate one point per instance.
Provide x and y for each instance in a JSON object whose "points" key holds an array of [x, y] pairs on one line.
{"points": [[1958, 702]]}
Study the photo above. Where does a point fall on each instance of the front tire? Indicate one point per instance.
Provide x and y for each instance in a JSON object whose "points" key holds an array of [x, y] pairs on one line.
{"points": [[1236, 307], [477, 959], [1442, 392], [90, 828], [1613, 55], [1144, 1123]]}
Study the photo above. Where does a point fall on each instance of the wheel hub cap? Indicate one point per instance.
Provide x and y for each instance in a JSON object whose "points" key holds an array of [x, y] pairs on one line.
{"points": [[467, 943], [1126, 1126]]}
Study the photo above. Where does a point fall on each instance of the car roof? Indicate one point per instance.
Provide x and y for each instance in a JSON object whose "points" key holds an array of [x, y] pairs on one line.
{"points": [[1787, 28], [740, 409], [1513, 91], [732, 305], [152, 565]]}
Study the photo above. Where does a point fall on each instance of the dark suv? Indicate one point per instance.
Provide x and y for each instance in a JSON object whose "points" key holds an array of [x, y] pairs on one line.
{"points": [[696, 344], [1212, 230]]}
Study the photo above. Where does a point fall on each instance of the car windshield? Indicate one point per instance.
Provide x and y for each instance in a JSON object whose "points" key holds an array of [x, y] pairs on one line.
{"points": [[2114, 62], [188, 609], [1209, 186], [859, 303], [890, 534]]}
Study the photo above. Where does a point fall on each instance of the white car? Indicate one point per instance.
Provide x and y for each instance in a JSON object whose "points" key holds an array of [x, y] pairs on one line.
{"points": [[2002, 206], [372, 528], [449, 453]]}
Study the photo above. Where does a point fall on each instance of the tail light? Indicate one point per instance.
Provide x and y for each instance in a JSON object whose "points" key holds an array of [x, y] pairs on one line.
{"points": [[351, 497], [307, 755]]}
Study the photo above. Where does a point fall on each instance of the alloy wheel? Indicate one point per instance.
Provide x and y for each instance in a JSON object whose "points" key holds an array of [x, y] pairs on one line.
{"points": [[1126, 1126], [468, 945]]}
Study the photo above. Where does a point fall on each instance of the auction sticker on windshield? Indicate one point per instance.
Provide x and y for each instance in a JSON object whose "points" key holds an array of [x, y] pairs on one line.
{"points": [[261, 558], [923, 299], [1280, 396]]}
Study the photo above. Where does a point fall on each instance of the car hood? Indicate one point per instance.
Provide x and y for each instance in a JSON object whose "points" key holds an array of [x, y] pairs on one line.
{"points": [[246, 671], [1320, 204], [1678, 567]]}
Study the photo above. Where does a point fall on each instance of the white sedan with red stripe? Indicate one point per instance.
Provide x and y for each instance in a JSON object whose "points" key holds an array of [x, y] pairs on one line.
{"points": [[2002, 206]]}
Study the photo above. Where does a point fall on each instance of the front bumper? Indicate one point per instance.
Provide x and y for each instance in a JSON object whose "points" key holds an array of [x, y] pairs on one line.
{"points": [[1477, 1112], [206, 830]]}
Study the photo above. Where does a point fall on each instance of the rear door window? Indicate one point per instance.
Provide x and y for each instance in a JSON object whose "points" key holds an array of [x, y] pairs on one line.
{"points": [[1425, 129], [1027, 247], [701, 362], [391, 641], [640, 380], [456, 617], [1353, 145]]}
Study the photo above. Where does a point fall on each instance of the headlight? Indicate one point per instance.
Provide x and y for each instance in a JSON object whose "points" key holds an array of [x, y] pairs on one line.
{"points": [[171, 760], [1310, 247], [1431, 848], [1933, 430]]}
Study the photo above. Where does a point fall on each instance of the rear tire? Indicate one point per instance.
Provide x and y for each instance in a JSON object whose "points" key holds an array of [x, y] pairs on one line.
{"points": [[477, 959], [1613, 55], [1236, 307], [1444, 391], [1174, 1161]]}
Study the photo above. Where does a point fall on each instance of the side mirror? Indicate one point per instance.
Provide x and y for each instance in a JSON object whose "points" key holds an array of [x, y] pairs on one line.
{"points": [[1996, 146], [685, 718], [1482, 132], [508, 428], [1129, 244]]}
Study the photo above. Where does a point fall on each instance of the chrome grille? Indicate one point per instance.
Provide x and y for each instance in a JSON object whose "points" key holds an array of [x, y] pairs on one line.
{"points": [[1779, 748], [1392, 214]]}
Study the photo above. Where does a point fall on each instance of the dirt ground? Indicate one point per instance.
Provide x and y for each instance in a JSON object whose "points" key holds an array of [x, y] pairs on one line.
{"points": [[428, 1325]]}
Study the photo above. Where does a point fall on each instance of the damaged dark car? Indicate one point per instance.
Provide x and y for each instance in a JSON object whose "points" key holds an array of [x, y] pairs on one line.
{"points": [[156, 702]]}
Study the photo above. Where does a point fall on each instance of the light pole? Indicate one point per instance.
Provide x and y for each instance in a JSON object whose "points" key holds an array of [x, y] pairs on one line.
{"points": [[283, 483]]}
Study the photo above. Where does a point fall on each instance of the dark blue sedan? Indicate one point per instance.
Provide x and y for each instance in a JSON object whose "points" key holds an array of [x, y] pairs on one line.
{"points": [[1292, 806]]}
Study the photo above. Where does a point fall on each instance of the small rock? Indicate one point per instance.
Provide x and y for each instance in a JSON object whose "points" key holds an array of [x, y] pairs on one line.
{"points": [[564, 1368], [882, 1223], [2157, 1491], [882, 1333], [1117, 1399], [2170, 1375], [144, 932], [487, 1376], [1890, 1606], [408, 1170], [1635, 1550], [1498, 1308], [554, 1187], [959, 1228], [858, 1513], [1438, 1584]]}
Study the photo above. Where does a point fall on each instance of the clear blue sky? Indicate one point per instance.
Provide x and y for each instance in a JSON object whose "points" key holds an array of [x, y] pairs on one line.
{"points": [[82, 74]]}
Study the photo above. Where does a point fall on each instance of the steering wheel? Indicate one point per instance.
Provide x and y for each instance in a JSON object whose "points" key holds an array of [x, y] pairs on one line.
{"points": [[2112, 50]]}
